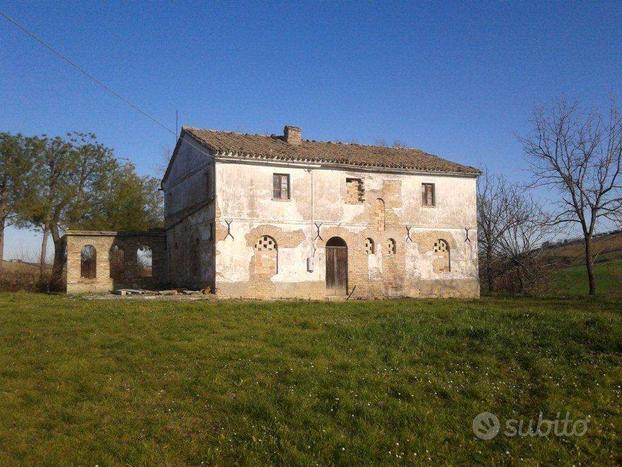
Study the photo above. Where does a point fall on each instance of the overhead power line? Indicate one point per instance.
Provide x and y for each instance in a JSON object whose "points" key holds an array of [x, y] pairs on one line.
{"points": [[101, 84]]}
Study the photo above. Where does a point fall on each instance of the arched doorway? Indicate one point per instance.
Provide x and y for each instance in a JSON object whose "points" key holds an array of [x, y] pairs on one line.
{"points": [[336, 266]]}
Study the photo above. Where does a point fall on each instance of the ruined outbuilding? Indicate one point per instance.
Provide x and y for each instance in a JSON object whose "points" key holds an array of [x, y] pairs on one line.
{"points": [[259, 216]]}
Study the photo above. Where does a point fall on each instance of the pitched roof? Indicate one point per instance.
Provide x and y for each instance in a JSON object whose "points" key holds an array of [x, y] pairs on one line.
{"points": [[272, 147]]}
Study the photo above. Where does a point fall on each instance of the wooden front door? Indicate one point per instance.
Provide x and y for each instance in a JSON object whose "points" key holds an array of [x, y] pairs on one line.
{"points": [[336, 266]]}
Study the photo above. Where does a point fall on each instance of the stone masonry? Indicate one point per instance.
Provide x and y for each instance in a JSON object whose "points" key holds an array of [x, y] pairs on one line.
{"points": [[130, 274]]}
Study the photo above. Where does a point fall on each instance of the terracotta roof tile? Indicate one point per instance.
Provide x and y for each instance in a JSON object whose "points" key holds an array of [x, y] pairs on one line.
{"points": [[273, 147]]}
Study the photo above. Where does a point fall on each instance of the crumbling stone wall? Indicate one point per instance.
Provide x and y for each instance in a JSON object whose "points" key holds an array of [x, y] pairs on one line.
{"points": [[131, 276]]}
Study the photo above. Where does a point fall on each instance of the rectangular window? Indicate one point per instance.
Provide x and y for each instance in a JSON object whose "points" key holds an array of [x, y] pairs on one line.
{"points": [[429, 198], [355, 192], [280, 186]]}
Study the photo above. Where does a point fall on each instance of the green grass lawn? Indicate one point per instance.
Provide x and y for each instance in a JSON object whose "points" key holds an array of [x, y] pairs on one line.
{"points": [[572, 280], [129, 382]]}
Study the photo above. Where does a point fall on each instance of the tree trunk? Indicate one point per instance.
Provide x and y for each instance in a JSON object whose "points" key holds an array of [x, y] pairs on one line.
{"points": [[44, 248], [521, 281], [589, 264], [56, 282]]}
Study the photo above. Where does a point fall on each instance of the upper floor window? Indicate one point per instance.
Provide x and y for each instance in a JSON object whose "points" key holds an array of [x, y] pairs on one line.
{"points": [[429, 197], [355, 193], [280, 186]]}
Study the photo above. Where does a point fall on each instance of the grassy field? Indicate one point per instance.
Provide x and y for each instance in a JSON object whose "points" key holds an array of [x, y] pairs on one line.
{"points": [[567, 268], [128, 382], [572, 280]]}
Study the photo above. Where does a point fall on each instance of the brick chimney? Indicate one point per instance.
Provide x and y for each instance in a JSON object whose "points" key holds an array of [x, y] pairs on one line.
{"points": [[292, 135]]}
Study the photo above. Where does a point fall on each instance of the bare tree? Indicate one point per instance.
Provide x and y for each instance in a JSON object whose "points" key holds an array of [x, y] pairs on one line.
{"points": [[493, 220], [520, 245], [580, 157]]}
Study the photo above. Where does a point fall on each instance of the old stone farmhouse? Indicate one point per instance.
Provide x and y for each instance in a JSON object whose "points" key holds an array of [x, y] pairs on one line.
{"points": [[282, 217]]}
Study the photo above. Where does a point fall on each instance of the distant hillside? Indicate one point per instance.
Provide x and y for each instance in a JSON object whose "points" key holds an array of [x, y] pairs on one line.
{"points": [[19, 266], [567, 261], [17, 275], [607, 247]]}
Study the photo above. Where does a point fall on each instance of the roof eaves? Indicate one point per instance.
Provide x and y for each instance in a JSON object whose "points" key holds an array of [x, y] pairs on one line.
{"points": [[259, 156]]}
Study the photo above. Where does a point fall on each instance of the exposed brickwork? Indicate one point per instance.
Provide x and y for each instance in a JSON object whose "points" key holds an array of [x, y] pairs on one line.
{"points": [[104, 243], [355, 191]]}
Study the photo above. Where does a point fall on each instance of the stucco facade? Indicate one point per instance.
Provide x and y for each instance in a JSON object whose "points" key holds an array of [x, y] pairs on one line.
{"points": [[221, 211]]}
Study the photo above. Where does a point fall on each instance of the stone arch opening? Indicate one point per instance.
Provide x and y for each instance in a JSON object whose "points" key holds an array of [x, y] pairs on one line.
{"points": [[144, 261], [336, 266], [88, 262], [117, 262]]}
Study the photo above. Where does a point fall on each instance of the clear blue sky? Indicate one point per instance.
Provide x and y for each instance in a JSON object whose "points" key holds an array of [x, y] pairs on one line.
{"points": [[458, 79]]}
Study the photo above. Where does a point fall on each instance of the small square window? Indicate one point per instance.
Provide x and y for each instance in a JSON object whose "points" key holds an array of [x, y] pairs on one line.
{"points": [[428, 194], [280, 186]]}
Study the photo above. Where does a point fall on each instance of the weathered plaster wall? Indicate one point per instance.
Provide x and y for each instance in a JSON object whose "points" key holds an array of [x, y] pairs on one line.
{"points": [[103, 242], [392, 209], [191, 250], [189, 217]]}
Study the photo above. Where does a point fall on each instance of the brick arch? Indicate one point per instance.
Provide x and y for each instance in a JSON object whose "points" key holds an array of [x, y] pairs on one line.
{"points": [[266, 256], [285, 238]]}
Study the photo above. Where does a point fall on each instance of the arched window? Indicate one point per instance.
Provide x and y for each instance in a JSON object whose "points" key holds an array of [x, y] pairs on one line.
{"points": [[379, 214], [88, 262], [442, 261], [391, 248], [144, 261], [370, 246], [117, 262], [266, 256]]}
